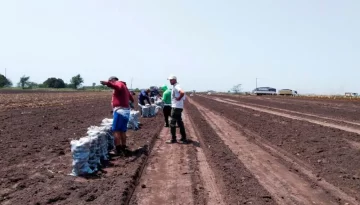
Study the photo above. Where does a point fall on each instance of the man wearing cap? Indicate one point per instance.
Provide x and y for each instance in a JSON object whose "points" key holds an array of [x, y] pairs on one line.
{"points": [[166, 98], [121, 111], [177, 106]]}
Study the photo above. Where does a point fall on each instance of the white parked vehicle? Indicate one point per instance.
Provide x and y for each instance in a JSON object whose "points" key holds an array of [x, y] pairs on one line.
{"points": [[288, 92], [264, 91]]}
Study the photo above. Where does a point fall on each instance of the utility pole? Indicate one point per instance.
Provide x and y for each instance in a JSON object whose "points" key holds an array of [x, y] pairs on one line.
{"points": [[5, 72], [131, 83], [256, 82]]}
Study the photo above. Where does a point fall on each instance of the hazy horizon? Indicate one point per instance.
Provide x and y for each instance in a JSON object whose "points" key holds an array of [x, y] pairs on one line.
{"points": [[308, 46]]}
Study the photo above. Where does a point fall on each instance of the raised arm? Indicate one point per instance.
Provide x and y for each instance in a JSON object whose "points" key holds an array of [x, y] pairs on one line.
{"points": [[111, 85]]}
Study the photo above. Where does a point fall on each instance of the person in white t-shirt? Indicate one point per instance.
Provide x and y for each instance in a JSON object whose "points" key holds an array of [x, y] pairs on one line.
{"points": [[177, 106]]}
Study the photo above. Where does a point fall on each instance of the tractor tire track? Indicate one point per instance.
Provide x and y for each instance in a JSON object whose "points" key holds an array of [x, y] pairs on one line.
{"points": [[332, 125], [285, 186], [325, 151], [235, 182], [213, 194], [302, 114]]}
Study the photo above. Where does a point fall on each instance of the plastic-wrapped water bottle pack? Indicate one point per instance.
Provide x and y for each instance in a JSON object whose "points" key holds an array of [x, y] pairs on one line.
{"points": [[133, 120], [80, 151], [90, 152], [145, 111], [152, 110]]}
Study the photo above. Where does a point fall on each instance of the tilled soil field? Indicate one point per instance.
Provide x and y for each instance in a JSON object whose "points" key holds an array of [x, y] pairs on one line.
{"points": [[241, 151], [19, 99], [36, 157], [347, 110], [325, 152], [237, 184]]}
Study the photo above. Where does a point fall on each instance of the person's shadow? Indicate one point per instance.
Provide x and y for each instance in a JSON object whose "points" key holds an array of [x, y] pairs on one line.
{"points": [[135, 154], [192, 142], [195, 143]]}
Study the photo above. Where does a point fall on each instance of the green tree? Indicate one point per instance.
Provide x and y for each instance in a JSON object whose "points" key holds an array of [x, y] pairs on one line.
{"points": [[137, 90], [50, 82], [32, 85], [4, 82], [54, 83], [59, 83], [236, 88], [24, 82], [76, 81]]}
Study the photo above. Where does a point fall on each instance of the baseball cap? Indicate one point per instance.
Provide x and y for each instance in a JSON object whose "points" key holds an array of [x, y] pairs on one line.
{"points": [[113, 78], [172, 77]]}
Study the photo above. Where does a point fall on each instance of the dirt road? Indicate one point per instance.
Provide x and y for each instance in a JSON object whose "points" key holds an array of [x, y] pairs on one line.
{"points": [[177, 174]]}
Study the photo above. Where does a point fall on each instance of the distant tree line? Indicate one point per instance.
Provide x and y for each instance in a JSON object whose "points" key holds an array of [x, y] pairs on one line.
{"points": [[52, 82]]}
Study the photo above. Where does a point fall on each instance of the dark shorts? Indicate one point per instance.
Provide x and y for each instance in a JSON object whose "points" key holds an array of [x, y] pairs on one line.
{"points": [[121, 119]]}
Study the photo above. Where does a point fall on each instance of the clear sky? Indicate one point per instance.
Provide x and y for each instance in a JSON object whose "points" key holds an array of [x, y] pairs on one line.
{"points": [[309, 45]]}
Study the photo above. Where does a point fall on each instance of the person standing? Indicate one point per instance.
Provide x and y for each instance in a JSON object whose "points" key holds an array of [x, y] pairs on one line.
{"points": [[177, 106], [121, 112], [166, 98]]}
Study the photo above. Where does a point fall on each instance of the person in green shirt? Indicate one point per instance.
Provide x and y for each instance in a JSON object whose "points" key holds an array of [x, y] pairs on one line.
{"points": [[166, 98]]}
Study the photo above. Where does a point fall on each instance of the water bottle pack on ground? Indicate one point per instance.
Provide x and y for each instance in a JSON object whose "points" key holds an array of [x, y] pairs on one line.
{"points": [[90, 152]]}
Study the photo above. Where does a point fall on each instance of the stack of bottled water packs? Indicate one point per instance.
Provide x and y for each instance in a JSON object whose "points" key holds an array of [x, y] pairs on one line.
{"points": [[149, 110], [91, 152], [80, 151]]}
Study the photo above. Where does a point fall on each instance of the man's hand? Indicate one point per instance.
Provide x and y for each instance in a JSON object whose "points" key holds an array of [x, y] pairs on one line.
{"points": [[103, 82], [181, 95]]}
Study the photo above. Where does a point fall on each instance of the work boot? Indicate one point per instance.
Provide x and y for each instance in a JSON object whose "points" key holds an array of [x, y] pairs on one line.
{"points": [[183, 140], [172, 141], [119, 150], [126, 151]]}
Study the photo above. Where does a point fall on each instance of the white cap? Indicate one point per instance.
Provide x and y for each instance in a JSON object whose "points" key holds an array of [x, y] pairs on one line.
{"points": [[172, 77]]}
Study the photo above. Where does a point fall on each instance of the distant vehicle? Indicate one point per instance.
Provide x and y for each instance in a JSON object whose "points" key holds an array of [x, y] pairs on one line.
{"points": [[348, 94], [288, 92], [264, 91]]}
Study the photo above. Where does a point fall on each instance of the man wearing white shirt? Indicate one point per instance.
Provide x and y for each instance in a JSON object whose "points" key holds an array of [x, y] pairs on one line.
{"points": [[177, 106]]}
